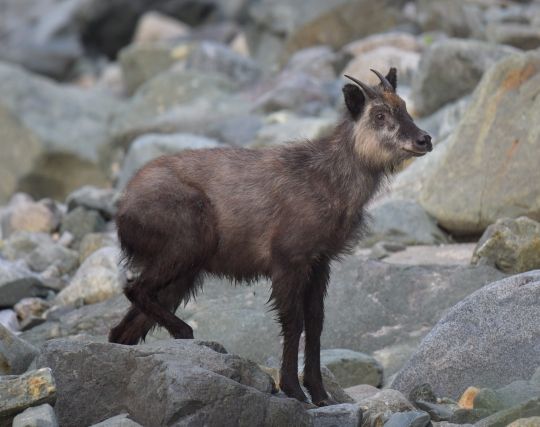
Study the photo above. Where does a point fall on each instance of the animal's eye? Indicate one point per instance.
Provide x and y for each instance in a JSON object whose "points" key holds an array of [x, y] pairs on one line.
{"points": [[380, 117]]}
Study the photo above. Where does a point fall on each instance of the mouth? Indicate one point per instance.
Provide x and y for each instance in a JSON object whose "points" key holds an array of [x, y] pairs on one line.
{"points": [[414, 152]]}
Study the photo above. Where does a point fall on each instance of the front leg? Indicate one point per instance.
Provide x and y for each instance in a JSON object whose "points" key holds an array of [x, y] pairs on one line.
{"points": [[313, 319], [288, 284]]}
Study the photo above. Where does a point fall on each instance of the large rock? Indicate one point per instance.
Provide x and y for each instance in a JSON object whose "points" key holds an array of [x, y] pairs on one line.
{"points": [[403, 221], [49, 122], [40, 252], [17, 282], [97, 279], [488, 340], [23, 214], [176, 101], [491, 159], [102, 200], [196, 385], [513, 246], [15, 354], [450, 69], [151, 146], [18, 393]]}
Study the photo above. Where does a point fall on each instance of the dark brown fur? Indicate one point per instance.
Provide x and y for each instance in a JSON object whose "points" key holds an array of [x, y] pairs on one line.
{"points": [[283, 213]]}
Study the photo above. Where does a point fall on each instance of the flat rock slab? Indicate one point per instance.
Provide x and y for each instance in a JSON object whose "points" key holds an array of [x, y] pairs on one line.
{"points": [[20, 392], [15, 354]]}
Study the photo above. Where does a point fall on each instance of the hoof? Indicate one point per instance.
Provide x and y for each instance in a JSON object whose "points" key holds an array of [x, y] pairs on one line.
{"points": [[326, 402]]}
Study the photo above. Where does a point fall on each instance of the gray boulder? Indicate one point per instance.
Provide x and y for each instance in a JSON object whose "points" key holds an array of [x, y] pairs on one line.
{"points": [[176, 101], [81, 221], [102, 200], [450, 69], [15, 354], [36, 416], [18, 393], [17, 282], [151, 146], [191, 378], [511, 245], [52, 120], [489, 339], [97, 279], [403, 221], [295, 91], [497, 137], [40, 252]]}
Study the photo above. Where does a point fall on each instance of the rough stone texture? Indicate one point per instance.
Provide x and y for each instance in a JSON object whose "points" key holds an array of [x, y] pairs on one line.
{"points": [[295, 91], [148, 147], [361, 391], [351, 367], [95, 241], [197, 385], [155, 26], [408, 419], [317, 61], [37, 416], [52, 120], [80, 222], [23, 214], [490, 161], [20, 392], [378, 408], [488, 340], [450, 69], [403, 221], [404, 303], [97, 279], [17, 282], [102, 200], [343, 415], [95, 319], [39, 251], [451, 254], [513, 246], [15, 354], [211, 57]]}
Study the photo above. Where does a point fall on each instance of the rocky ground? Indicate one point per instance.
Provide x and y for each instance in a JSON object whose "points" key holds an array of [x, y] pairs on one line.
{"points": [[434, 316]]}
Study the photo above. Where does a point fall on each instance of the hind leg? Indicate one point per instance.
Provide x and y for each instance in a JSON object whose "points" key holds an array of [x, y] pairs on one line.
{"points": [[143, 294], [136, 324]]}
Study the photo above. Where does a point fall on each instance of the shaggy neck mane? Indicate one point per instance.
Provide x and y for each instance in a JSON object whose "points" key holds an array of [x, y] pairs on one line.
{"points": [[335, 160]]}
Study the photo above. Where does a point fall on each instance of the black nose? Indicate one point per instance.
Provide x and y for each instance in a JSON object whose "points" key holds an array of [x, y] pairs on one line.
{"points": [[424, 143]]}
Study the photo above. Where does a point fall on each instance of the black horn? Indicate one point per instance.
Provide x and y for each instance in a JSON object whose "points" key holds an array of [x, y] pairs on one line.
{"points": [[387, 86], [370, 93]]}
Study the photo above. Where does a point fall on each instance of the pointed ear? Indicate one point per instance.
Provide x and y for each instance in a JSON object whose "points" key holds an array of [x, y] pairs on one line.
{"points": [[392, 77], [354, 100]]}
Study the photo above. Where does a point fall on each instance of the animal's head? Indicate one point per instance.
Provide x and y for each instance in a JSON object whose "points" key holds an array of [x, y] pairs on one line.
{"points": [[384, 132]]}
